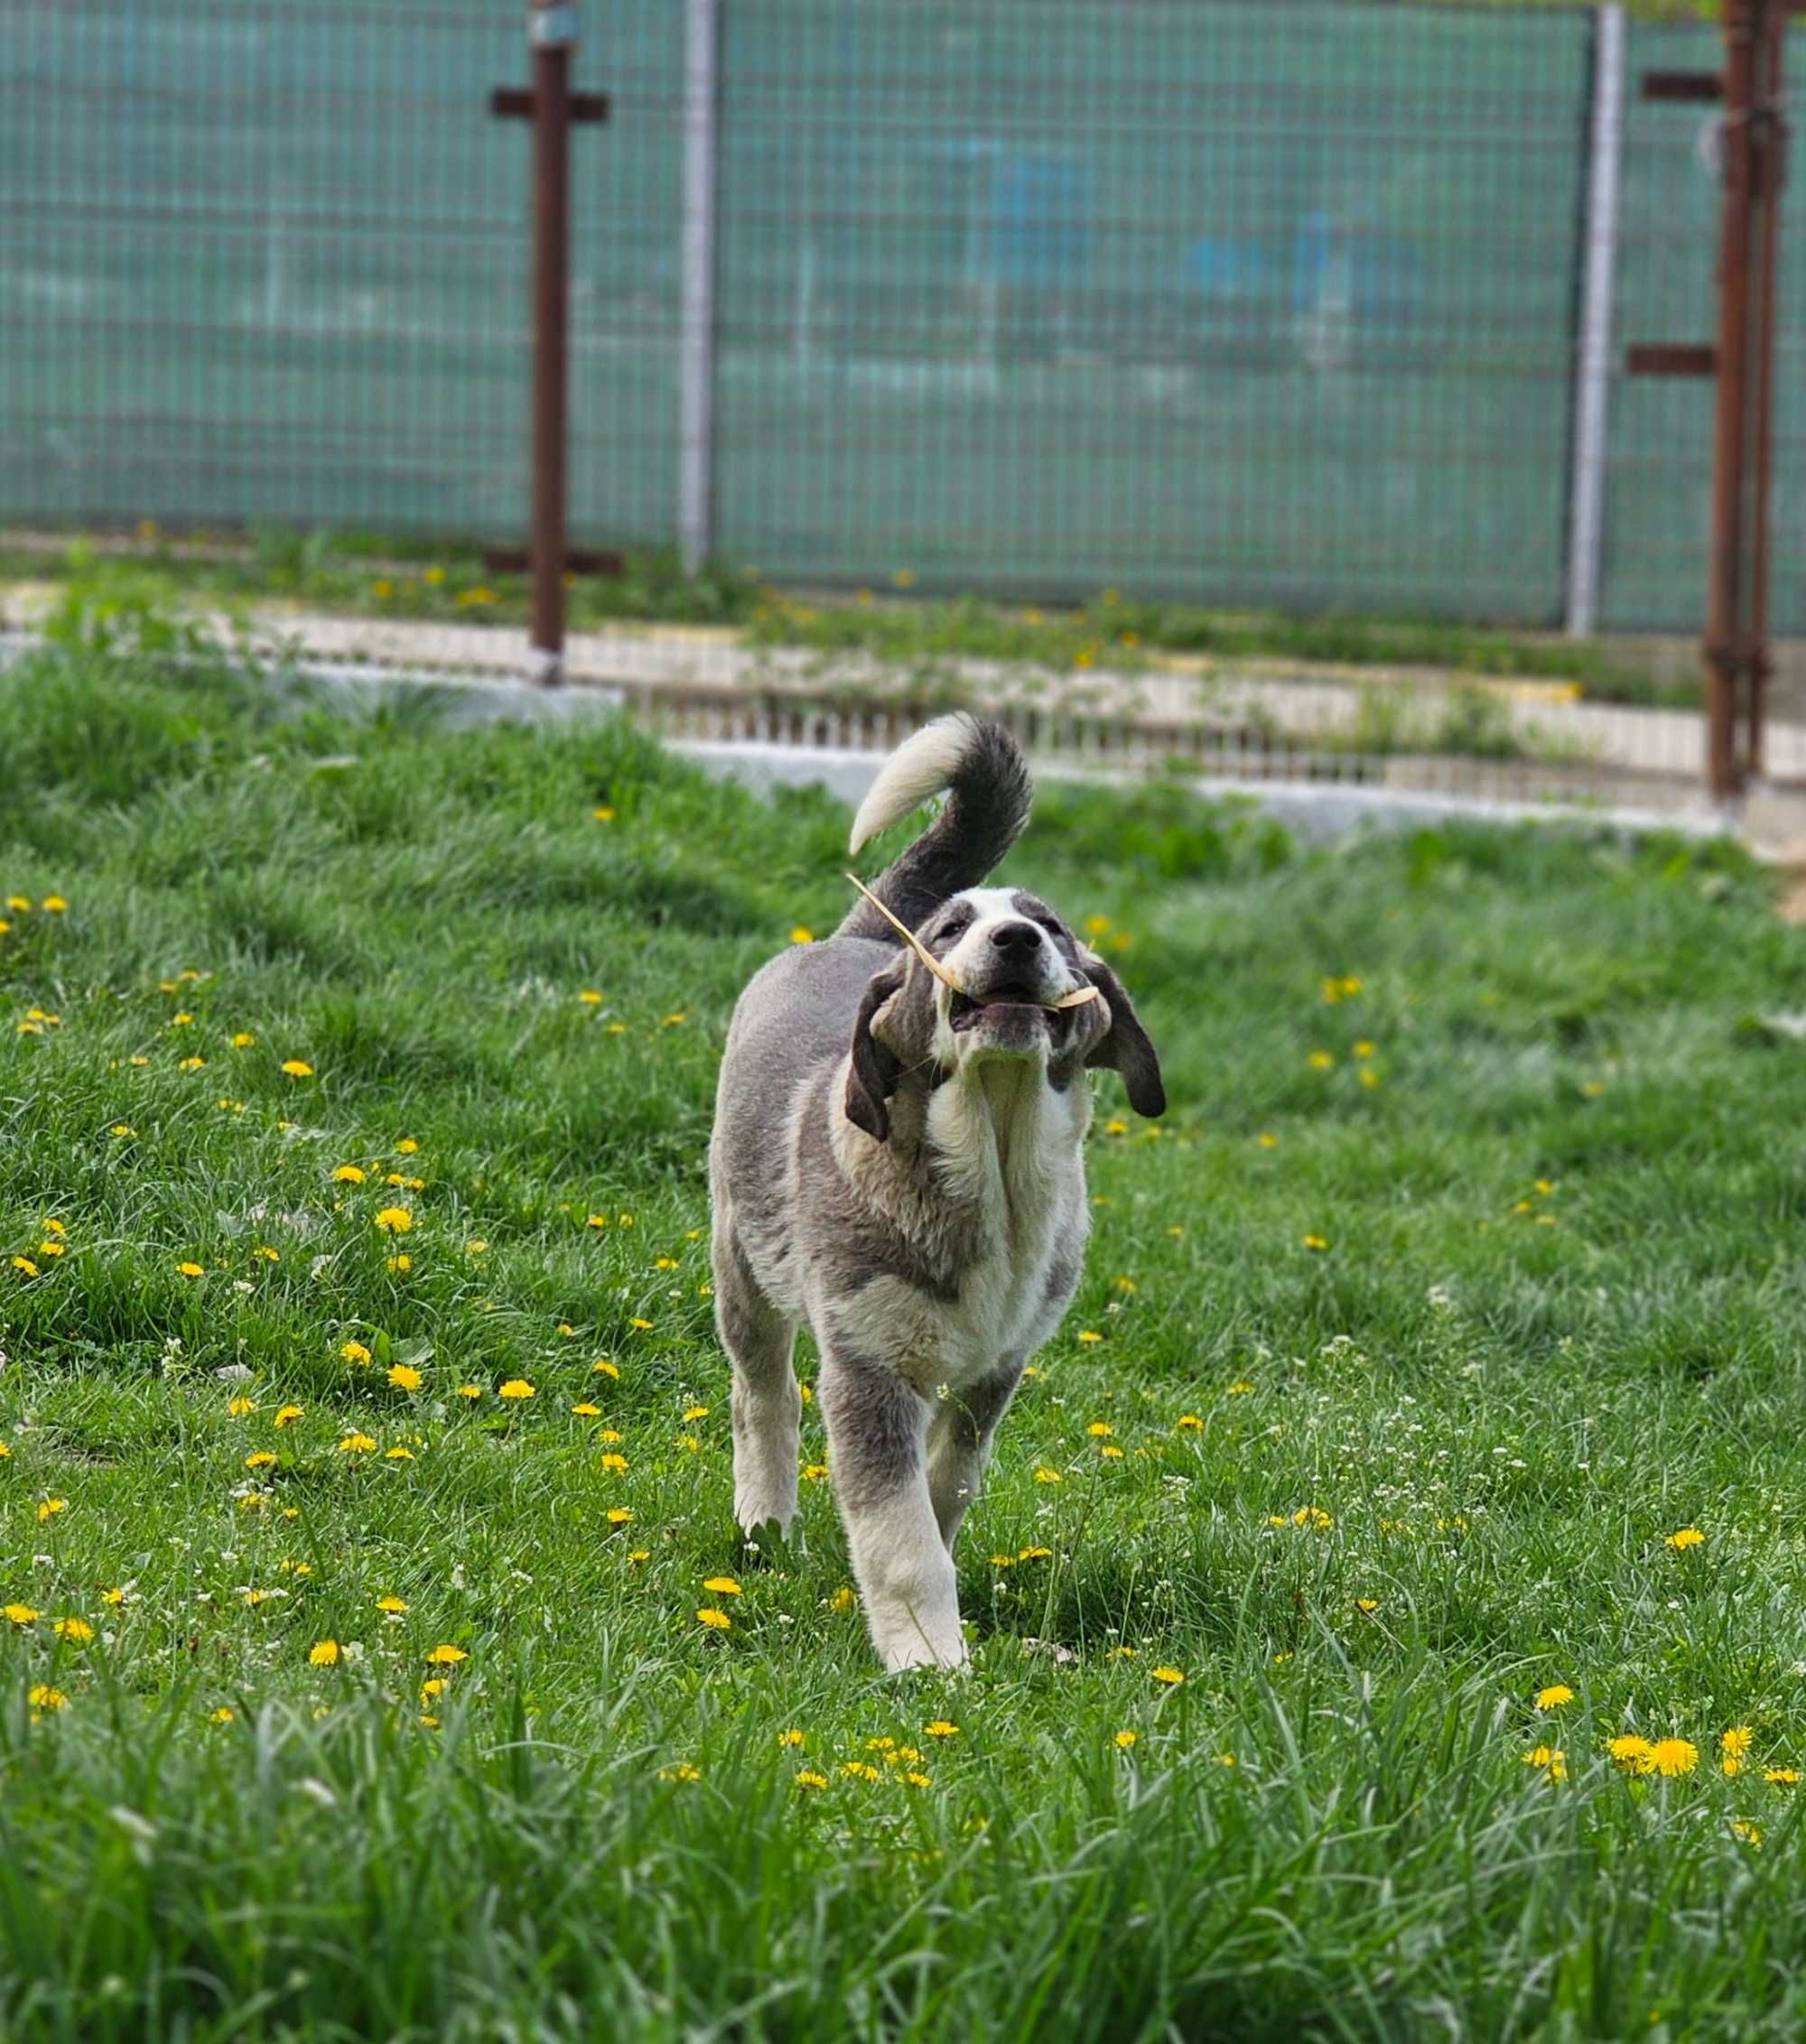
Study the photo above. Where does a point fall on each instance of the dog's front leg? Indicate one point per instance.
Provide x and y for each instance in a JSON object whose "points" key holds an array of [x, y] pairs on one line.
{"points": [[878, 1431], [959, 1443]]}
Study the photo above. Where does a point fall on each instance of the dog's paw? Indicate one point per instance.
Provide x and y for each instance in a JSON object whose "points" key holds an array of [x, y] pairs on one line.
{"points": [[773, 1544]]}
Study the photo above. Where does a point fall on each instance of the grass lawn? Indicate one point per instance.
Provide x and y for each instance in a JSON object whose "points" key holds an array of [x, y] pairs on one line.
{"points": [[343, 1694]]}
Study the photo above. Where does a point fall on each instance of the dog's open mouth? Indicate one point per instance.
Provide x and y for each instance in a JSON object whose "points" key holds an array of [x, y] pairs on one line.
{"points": [[999, 1004]]}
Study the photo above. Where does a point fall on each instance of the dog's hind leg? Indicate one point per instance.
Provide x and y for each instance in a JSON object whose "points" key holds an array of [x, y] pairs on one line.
{"points": [[959, 1443], [767, 1407], [877, 1429]]}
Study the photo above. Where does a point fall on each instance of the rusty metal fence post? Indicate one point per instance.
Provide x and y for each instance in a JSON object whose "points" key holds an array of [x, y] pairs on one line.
{"points": [[1752, 137], [551, 106]]}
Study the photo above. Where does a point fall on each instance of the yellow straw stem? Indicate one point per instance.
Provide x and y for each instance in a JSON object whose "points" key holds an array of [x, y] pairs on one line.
{"points": [[1077, 999]]}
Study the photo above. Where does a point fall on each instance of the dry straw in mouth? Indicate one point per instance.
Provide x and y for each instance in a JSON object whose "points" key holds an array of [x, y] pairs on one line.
{"points": [[1077, 999]]}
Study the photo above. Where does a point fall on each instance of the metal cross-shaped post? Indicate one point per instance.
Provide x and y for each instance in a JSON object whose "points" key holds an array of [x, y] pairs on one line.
{"points": [[551, 105]]}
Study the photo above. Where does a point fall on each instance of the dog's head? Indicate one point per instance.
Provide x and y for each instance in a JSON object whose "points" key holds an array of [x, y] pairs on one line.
{"points": [[1013, 959]]}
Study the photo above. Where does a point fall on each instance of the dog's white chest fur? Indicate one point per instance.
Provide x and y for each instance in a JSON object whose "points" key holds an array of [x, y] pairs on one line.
{"points": [[1013, 1149]]}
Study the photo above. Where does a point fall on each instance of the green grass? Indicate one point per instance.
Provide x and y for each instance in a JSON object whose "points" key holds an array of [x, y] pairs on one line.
{"points": [[923, 639], [1559, 1316]]}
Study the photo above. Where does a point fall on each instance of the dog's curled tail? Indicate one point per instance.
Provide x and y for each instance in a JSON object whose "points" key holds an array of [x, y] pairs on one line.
{"points": [[986, 780]]}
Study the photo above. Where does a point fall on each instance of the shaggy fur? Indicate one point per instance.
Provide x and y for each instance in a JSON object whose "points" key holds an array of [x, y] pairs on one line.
{"points": [[899, 1167]]}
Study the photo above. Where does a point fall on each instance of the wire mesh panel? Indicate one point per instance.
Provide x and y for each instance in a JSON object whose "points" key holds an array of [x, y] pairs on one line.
{"points": [[1262, 302], [1253, 300], [1658, 499], [264, 261]]}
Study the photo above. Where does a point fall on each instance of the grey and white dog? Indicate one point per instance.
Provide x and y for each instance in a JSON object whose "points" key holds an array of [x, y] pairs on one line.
{"points": [[900, 1167]]}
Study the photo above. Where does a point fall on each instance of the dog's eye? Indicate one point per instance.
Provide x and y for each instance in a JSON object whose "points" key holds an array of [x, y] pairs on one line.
{"points": [[954, 925], [1052, 926]]}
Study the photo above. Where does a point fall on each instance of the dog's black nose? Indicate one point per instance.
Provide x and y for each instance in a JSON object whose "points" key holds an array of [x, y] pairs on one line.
{"points": [[1015, 937]]}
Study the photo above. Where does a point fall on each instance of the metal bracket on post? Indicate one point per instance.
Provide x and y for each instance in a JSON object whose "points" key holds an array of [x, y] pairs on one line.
{"points": [[551, 106]]}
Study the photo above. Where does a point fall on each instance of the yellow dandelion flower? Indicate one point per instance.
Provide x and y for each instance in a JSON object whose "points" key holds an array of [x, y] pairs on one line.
{"points": [[843, 1599], [1671, 1757], [445, 1657], [1316, 1241], [940, 1728], [619, 1515], [476, 1246], [242, 1039], [1320, 1061], [469, 1390], [1171, 1676], [392, 1607], [349, 1175], [1367, 1605], [225, 1714], [716, 1621], [1123, 1741], [722, 1585], [190, 1270], [24, 1264], [395, 1221], [585, 1410], [1554, 1697], [1046, 1476], [122, 1129], [405, 1377], [807, 1779], [1241, 1389], [51, 1507], [602, 1367], [42, 1698], [641, 1326], [695, 1412], [356, 1445], [1688, 1537], [615, 1464], [355, 1353], [1783, 1776], [259, 1458], [1188, 1423], [297, 1068], [323, 1653], [516, 1388], [815, 1471], [19, 1615], [1100, 1430], [75, 1629], [397, 1455], [1551, 1759], [860, 1771], [802, 934]]}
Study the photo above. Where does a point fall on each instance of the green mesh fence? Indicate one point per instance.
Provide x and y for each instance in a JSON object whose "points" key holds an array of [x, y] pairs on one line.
{"points": [[269, 262], [1262, 302]]}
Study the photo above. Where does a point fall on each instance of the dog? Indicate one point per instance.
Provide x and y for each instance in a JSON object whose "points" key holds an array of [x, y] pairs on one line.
{"points": [[898, 1163]]}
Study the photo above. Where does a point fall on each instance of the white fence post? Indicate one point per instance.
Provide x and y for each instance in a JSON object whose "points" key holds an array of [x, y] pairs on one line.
{"points": [[1593, 361], [696, 349]]}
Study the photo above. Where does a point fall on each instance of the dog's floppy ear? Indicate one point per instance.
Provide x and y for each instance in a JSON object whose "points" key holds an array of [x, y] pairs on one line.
{"points": [[1125, 1046], [873, 1078]]}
